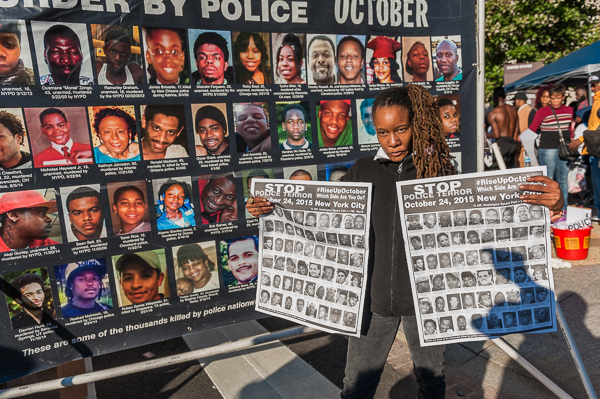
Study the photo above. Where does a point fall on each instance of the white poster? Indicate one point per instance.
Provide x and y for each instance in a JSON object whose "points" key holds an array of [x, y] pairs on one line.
{"points": [[479, 256], [313, 259]]}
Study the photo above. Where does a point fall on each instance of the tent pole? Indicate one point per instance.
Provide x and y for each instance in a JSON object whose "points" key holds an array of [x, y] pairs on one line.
{"points": [[480, 98]]}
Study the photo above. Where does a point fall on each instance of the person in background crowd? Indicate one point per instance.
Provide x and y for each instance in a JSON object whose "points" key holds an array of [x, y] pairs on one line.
{"points": [[581, 98], [549, 124], [504, 128], [117, 69], [12, 69], [525, 114]]}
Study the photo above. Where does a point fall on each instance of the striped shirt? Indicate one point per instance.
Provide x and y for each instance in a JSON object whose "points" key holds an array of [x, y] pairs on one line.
{"points": [[546, 121]]}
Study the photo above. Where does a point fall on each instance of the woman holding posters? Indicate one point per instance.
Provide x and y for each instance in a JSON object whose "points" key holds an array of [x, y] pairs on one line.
{"points": [[413, 146], [251, 59], [116, 130]]}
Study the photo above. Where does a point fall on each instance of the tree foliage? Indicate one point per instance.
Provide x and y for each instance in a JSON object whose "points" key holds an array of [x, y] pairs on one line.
{"points": [[535, 30]]}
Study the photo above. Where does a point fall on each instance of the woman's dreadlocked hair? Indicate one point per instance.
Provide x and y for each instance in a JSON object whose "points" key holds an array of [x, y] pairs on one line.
{"points": [[431, 154]]}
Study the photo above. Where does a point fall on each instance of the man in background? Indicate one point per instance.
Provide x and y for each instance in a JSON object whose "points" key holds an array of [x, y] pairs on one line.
{"points": [[503, 127], [525, 115]]}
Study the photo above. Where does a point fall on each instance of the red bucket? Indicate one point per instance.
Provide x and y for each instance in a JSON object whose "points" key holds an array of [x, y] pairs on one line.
{"points": [[572, 244]]}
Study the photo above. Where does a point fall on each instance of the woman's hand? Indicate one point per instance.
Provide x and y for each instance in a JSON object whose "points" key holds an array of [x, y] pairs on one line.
{"points": [[549, 195], [259, 206]]}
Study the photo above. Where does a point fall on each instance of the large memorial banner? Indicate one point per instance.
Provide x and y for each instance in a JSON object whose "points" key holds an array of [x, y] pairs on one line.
{"points": [[480, 257], [130, 132]]}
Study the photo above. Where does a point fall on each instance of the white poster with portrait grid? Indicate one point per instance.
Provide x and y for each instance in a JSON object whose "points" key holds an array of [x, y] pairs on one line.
{"points": [[313, 259], [478, 255]]}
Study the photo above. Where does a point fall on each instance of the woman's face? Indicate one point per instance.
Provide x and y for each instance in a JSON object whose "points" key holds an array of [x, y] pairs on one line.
{"points": [[251, 56], [288, 69], [174, 197], [382, 69], [449, 119], [418, 60], [507, 216], [114, 134], [545, 99], [394, 131]]}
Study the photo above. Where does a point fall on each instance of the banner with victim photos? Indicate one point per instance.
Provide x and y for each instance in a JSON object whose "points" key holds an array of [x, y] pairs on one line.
{"points": [[131, 131], [479, 257]]}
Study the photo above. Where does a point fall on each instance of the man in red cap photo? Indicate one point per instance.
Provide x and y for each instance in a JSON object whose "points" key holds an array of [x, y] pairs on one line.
{"points": [[383, 62], [334, 129], [24, 220]]}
